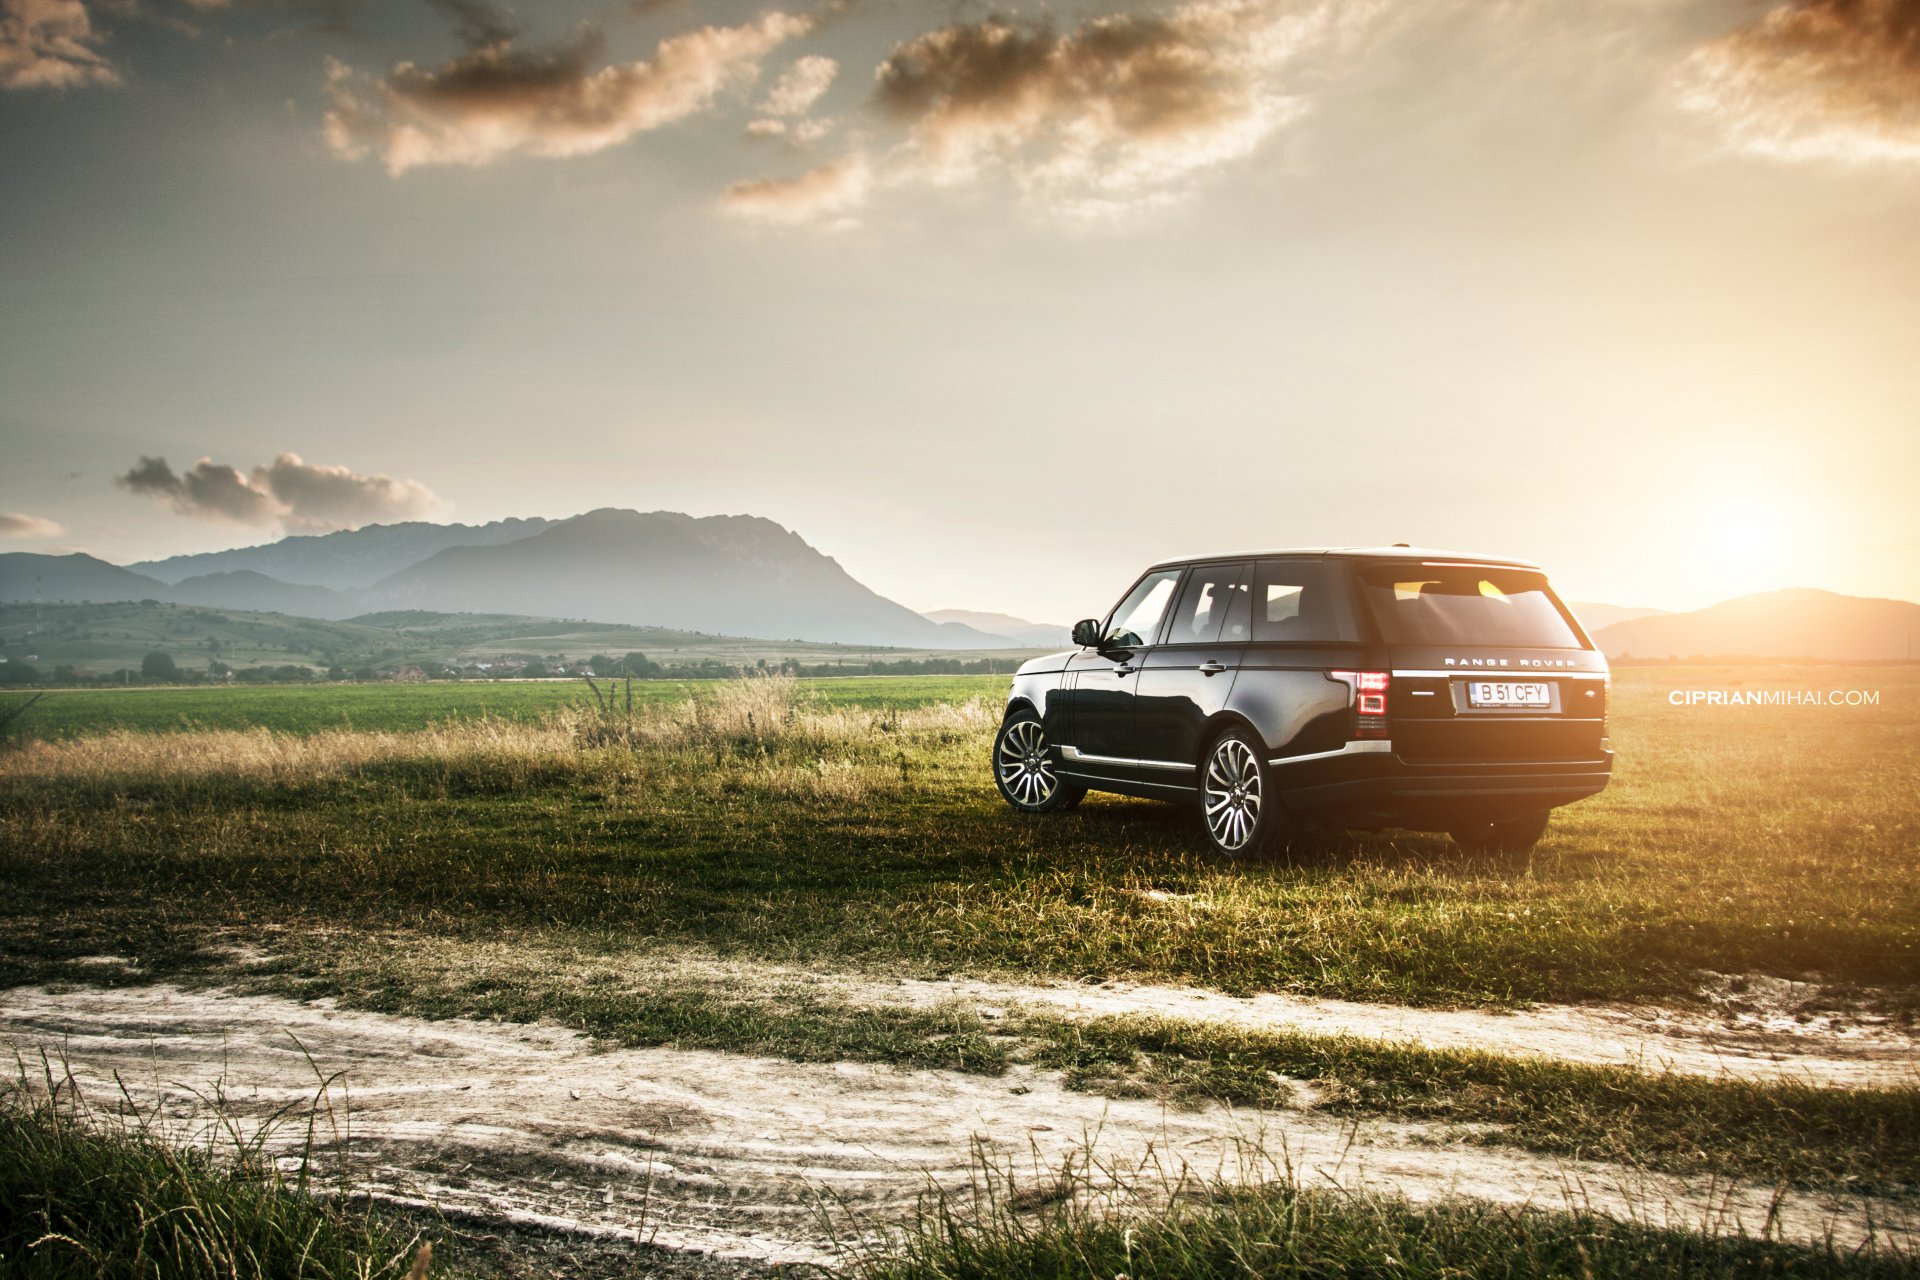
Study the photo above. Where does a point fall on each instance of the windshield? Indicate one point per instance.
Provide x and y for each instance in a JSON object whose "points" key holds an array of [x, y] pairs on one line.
{"points": [[1466, 605]]}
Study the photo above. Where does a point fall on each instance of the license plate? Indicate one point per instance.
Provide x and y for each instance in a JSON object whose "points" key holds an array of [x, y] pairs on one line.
{"points": [[1508, 693]]}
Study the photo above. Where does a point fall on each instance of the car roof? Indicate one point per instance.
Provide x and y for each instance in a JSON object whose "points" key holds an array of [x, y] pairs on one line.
{"points": [[1422, 554]]}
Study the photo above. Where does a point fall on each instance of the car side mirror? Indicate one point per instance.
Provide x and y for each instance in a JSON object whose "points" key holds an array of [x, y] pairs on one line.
{"points": [[1086, 633]]}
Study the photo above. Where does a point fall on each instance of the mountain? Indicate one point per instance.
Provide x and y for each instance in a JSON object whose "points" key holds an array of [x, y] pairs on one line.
{"points": [[735, 575], [245, 589], [27, 577], [348, 559], [1598, 617], [1796, 623], [1032, 635]]}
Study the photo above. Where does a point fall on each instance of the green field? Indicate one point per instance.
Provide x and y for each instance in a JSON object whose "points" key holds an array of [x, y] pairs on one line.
{"points": [[100, 639], [390, 707], [832, 819], [555, 866]]}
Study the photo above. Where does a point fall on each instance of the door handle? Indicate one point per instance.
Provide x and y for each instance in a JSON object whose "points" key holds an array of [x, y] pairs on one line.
{"points": [[1123, 671], [1211, 668]]}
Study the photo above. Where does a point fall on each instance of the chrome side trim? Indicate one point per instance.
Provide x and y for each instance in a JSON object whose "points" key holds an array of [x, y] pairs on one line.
{"points": [[1370, 747], [1073, 755], [1508, 673]]}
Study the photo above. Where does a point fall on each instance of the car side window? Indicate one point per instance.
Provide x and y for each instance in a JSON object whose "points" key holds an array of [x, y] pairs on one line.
{"points": [[1295, 600], [1213, 599], [1136, 620]]}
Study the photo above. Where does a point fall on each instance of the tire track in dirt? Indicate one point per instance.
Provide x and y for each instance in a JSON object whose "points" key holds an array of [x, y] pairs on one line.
{"points": [[734, 1154]]}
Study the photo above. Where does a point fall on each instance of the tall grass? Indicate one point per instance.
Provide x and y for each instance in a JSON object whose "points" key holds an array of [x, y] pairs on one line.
{"points": [[92, 1198], [1083, 1222]]}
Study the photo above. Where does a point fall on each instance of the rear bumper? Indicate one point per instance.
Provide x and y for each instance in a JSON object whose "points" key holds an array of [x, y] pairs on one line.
{"points": [[1369, 785]]}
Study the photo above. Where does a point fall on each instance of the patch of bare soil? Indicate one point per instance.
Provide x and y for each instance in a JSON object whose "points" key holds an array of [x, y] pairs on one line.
{"points": [[1754, 1028], [751, 1158]]}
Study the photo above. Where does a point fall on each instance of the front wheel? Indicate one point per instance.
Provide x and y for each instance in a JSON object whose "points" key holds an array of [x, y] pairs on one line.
{"points": [[1515, 835], [1023, 768], [1239, 803]]}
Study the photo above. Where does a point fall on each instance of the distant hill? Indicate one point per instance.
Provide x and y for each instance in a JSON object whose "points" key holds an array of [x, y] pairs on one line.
{"points": [[245, 589], [1796, 623], [348, 559], [1598, 617], [27, 577], [1040, 635], [732, 575]]}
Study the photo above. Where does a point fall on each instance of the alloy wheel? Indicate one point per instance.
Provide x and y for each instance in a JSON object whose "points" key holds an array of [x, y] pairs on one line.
{"points": [[1026, 774], [1233, 795]]}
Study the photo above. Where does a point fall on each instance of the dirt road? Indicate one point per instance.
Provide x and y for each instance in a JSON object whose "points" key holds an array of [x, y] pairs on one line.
{"points": [[752, 1157]]}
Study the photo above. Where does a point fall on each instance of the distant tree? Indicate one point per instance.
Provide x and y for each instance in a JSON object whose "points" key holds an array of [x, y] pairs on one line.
{"points": [[635, 664], [534, 670], [18, 673], [366, 673], [336, 672], [158, 666], [602, 665]]}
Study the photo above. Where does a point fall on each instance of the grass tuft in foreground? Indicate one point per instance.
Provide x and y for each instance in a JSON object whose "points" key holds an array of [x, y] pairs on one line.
{"points": [[1069, 1226], [80, 1197]]}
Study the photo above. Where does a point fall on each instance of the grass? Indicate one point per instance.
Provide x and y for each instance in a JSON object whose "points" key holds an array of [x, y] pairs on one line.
{"points": [[775, 826], [1077, 1225], [90, 1200], [389, 707], [534, 868]]}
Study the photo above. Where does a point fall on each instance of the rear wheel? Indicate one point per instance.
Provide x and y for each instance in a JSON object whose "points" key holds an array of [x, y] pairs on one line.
{"points": [[1023, 767], [1239, 806], [1514, 835]]}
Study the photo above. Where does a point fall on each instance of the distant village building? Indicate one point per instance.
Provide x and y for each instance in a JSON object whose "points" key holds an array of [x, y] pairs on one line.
{"points": [[409, 673]]}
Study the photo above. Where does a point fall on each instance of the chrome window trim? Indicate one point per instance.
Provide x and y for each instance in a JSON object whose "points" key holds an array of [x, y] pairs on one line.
{"points": [[1505, 673], [1073, 755]]}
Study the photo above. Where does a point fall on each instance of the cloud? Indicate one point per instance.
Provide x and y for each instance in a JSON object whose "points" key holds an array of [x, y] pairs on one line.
{"points": [[496, 99], [1121, 109], [1813, 79], [289, 493], [50, 44], [833, 191], [14, 524], [800, 86]]}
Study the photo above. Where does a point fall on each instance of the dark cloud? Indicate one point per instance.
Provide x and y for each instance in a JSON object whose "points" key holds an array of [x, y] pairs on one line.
{"points": [[1118, 111], [1835, 78], [289, 493], [496, 99], [478, 24], [15, 524], [50, 44]]}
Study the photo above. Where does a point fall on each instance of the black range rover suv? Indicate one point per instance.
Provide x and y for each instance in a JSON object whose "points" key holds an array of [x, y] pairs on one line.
{"points": [[1358, 687]]}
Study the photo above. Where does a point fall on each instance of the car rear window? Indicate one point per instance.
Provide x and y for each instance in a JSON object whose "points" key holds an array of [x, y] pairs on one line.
{"points": [[1466, 604]]}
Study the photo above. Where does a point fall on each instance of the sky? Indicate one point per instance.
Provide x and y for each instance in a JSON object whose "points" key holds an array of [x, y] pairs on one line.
{"points": [[995, 305]]}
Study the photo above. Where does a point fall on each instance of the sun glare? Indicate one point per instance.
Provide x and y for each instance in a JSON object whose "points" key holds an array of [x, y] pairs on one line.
{"points": [[1741, 544]]}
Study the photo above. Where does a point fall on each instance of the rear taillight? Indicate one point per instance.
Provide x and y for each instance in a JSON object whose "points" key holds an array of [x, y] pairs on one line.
{"points": [[1369, 701]]}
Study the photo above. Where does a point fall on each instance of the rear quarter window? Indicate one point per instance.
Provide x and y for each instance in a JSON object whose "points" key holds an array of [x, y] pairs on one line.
{"points": [[1299, 601], [1466, 605]]}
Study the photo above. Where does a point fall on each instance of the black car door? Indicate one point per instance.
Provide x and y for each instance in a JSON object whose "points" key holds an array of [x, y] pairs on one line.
{"points": [[1185, 679], [1101, 693]]}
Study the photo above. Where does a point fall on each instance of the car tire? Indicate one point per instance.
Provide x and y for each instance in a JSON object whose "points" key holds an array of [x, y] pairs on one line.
{"points": [[1513, 835], [1024, 770], [1240, 809]]}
